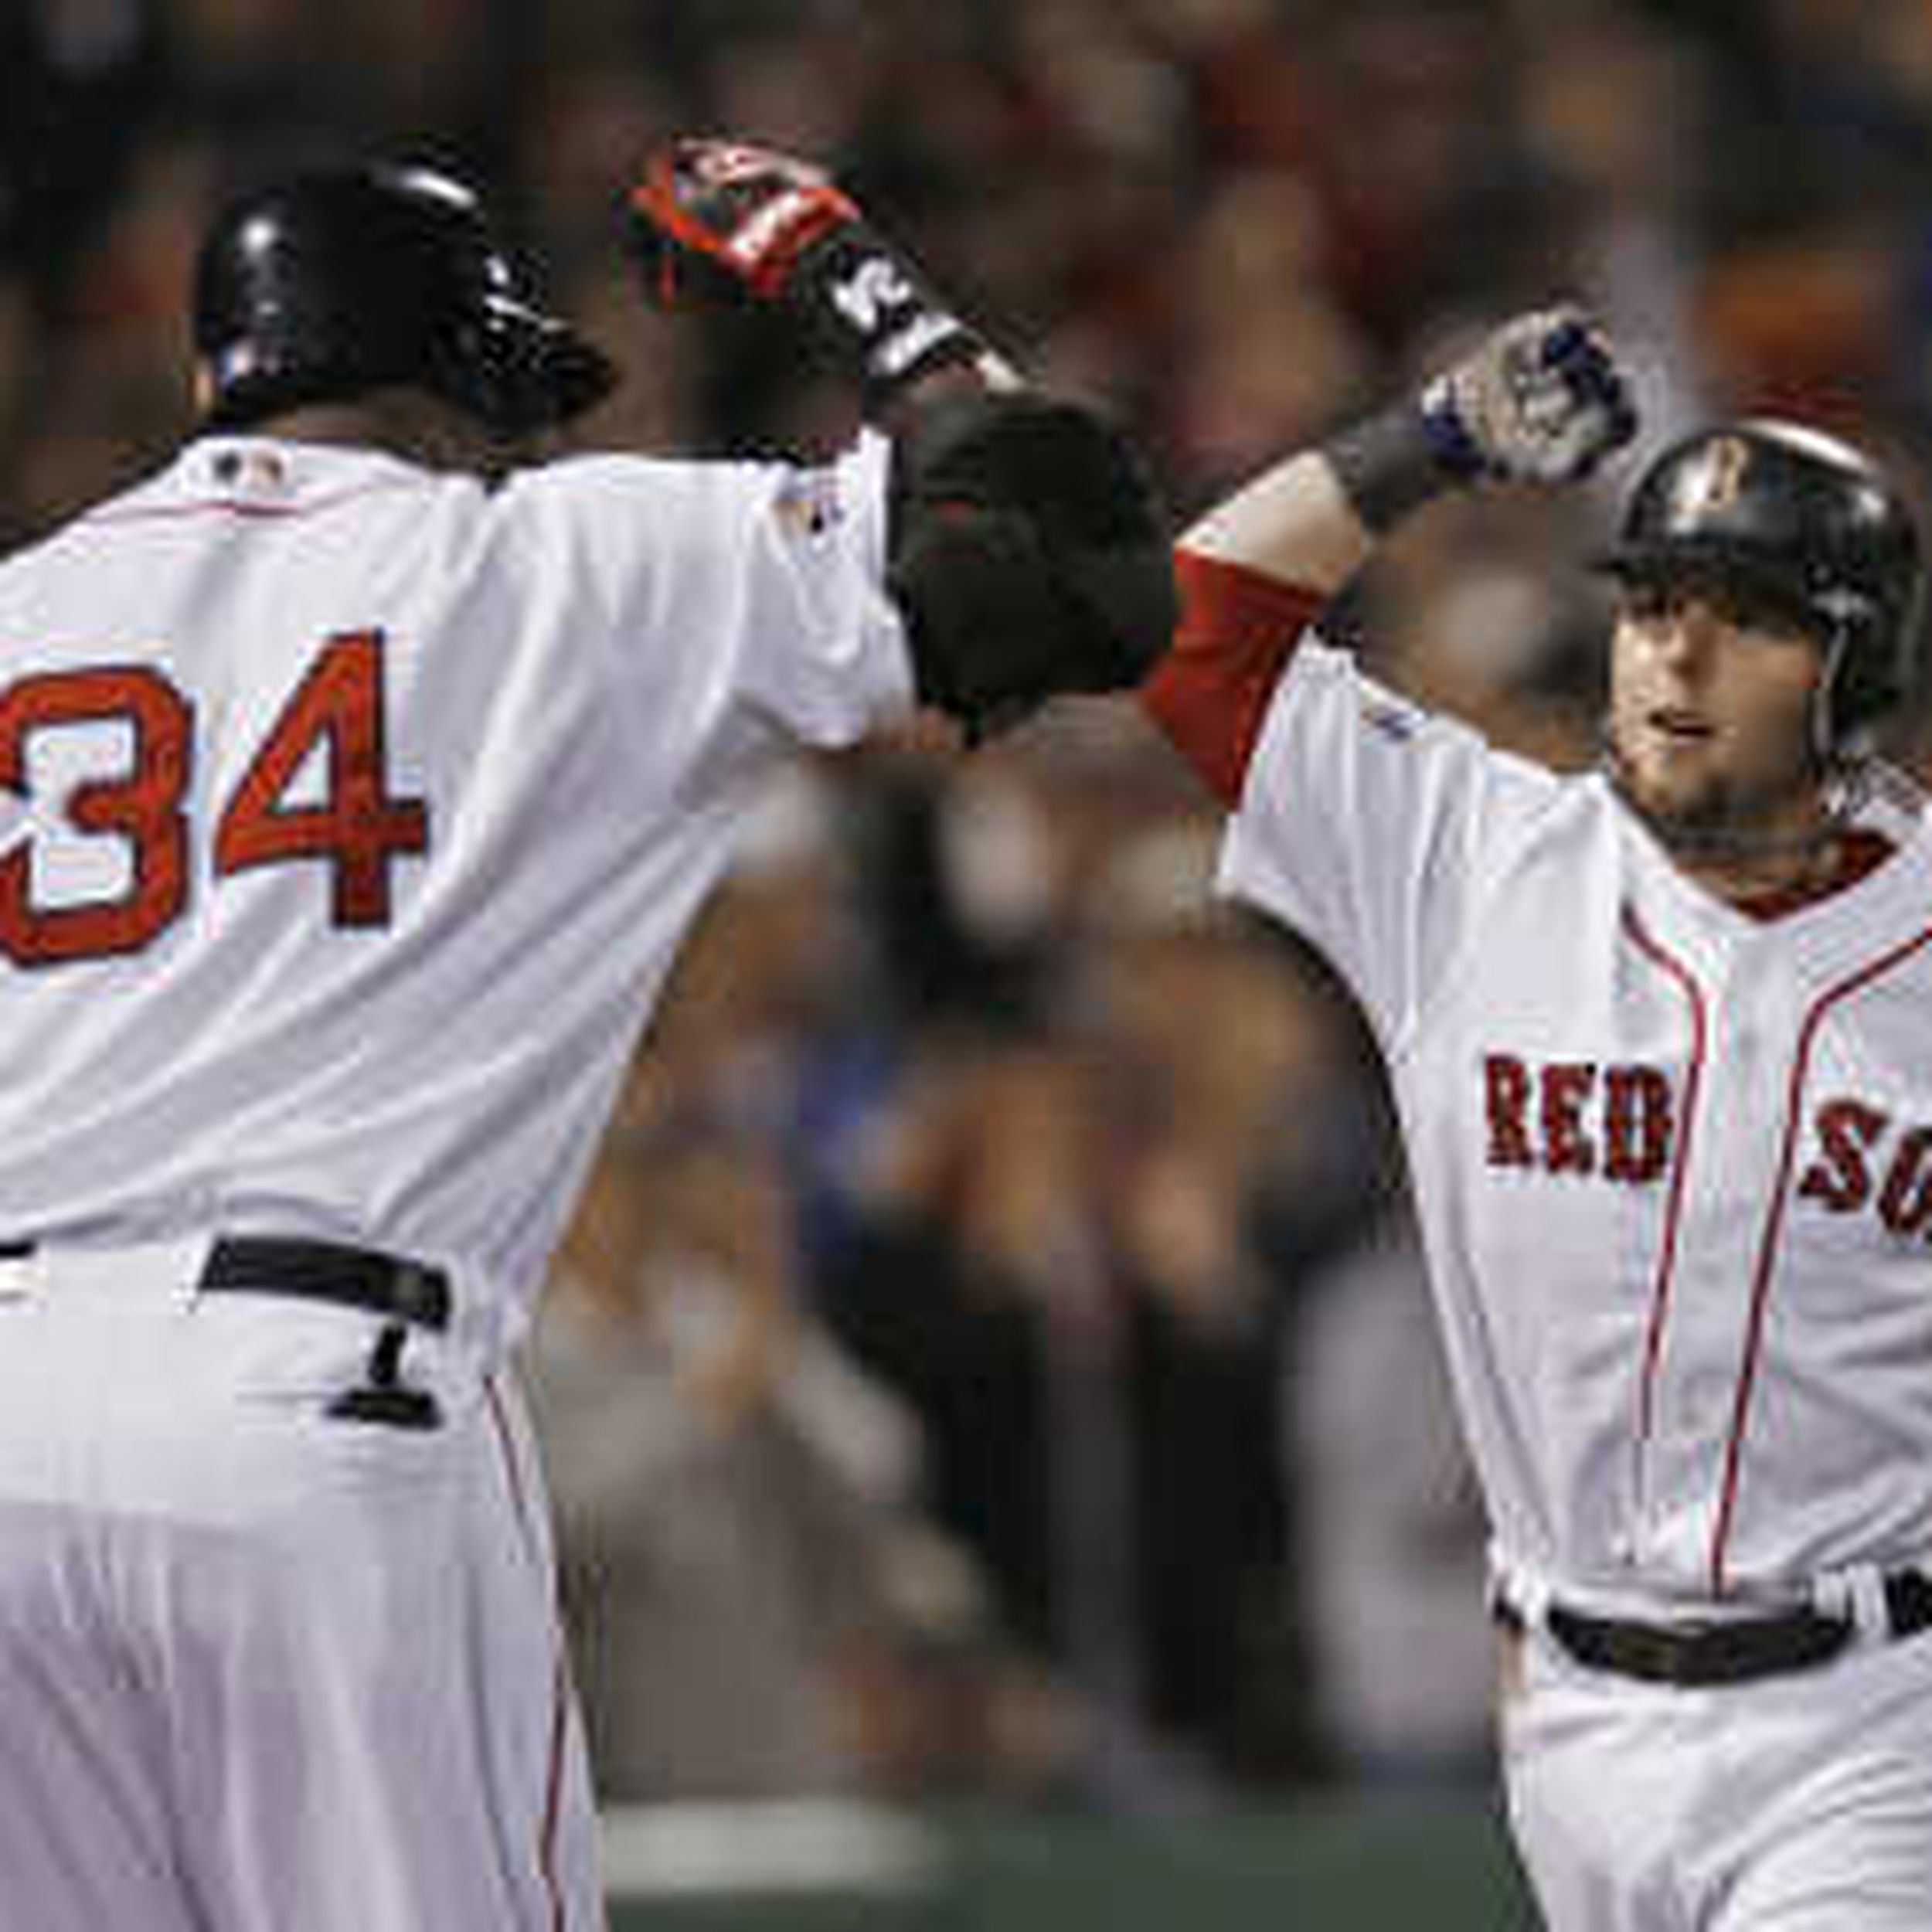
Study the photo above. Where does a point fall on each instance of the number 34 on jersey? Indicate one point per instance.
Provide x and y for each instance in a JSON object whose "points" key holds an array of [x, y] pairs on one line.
{"points": [[97, 840]]}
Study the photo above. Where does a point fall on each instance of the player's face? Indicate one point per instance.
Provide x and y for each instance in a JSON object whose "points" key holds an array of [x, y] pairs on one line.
{"points": [[1711, 706]]}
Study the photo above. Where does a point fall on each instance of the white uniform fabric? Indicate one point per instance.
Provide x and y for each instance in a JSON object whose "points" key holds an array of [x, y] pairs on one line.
{"points": [[350, 816], [1797, 1804], [1673, 1167]]}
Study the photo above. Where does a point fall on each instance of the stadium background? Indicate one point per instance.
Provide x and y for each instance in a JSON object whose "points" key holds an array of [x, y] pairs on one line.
{"points": [[988, 1389]]}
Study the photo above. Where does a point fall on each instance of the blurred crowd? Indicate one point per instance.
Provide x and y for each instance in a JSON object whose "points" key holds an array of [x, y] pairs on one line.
{"points": [[990, 1357]]}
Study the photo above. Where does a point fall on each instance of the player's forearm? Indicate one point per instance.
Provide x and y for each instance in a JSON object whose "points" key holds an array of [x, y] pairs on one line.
{"points": [[1540, 400], [1294, 523]]}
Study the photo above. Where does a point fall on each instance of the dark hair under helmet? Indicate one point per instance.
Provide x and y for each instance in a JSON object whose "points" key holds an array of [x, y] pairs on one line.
{"points": [[331, 284], [1805, 522]]}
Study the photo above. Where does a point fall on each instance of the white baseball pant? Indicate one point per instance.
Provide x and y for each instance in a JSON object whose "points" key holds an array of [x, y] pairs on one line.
{"points": [[259, 1667], [1798, 1803]]}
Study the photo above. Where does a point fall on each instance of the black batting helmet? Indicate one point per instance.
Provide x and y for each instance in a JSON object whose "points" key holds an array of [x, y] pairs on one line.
{"points": [[1788, 514], [333, 283]]}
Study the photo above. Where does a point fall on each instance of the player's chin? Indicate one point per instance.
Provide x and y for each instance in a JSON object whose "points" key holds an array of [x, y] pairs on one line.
{"points": [[1670, 790], [1661, 778]]}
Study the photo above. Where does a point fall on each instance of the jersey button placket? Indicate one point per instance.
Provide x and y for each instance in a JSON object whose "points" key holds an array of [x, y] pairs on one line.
{"points": [[1681, 1461], [1755, 1018]]}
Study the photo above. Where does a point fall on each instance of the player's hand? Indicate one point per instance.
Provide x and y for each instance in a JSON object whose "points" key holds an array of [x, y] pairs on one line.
{"points": [[1541, 399], [746, 211], [708, 215]]}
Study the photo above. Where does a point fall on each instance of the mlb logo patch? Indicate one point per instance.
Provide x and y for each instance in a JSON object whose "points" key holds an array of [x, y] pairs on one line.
{"points": [[1391, 717]]}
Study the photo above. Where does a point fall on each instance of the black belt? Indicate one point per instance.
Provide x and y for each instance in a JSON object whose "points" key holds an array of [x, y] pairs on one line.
{"points": [[386, 1284], [1698, 1655]]}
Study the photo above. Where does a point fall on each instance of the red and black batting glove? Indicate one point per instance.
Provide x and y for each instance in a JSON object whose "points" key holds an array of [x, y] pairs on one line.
{"points": [[710, 216]]}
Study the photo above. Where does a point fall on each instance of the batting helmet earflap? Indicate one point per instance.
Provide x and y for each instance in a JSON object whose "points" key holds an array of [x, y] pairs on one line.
{"points": [[1805, 522], [330, 284]]}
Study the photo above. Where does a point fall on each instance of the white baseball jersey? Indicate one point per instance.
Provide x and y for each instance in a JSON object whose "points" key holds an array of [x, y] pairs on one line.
{"points": [[1673, 1164], [350, 815]]}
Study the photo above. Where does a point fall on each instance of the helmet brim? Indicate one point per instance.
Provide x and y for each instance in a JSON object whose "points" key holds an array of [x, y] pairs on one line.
{"points": [[1742, 574]]}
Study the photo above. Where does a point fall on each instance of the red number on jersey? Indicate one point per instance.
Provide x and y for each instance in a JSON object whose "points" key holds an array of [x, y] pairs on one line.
{"points": [[141, 806], [358, 827], [51, 908]]}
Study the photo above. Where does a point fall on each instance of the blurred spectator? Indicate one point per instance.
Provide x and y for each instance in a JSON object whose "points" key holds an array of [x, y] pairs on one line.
{"points": [[1063, 1253], [744, 1560], [727, 1494], [1392, 1532], [80, 90]]}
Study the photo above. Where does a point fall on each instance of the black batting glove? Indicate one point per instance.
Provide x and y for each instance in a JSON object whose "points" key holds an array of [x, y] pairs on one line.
{"points": [[709, 215]]}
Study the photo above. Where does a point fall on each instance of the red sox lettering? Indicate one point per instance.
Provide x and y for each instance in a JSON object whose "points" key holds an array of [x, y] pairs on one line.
{"points": [[1868, 1159], [1619, 1122], [1576, 1118]]}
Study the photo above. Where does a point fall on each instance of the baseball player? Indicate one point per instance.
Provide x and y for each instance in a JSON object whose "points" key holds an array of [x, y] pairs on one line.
{"points": [[1658, 1038], [356, 786]]}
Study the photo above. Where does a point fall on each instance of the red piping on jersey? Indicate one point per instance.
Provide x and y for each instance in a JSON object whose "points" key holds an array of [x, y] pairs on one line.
{"points": [[560, 1677], [553, 1781], [1210, 694], [1858, 852], [1774, 1226], [235, 506], [1680, 1166]]}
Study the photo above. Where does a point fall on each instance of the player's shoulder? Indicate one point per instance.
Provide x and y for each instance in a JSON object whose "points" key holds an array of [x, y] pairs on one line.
{"points": [[258, 482], [151, 488], [586, 480], [591, 475], [711, 505], [71, 547], [1389, 719]]}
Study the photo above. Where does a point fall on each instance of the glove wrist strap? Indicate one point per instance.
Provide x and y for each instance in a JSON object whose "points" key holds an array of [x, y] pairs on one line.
{"points": [[876, 314], [1390, 463]]}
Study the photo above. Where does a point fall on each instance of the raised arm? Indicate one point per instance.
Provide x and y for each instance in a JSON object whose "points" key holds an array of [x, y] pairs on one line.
{"points": [[1540, 400], [1029, 555]]}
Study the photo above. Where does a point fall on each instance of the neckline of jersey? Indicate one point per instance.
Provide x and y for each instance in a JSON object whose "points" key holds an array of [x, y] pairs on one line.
{"points": [[1823, 921]]}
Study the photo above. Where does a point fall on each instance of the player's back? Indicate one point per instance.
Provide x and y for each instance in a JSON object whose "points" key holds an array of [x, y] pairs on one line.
{"points": [[319, 908]]}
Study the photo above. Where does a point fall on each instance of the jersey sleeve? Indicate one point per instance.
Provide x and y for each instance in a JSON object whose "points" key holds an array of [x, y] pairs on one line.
{"points": [[1210, 694], [743, 605], [823, 649], [1371, 826]]}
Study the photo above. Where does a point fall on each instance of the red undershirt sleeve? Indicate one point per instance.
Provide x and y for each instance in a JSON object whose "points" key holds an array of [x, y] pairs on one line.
{"points": [[1210, 693]]}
